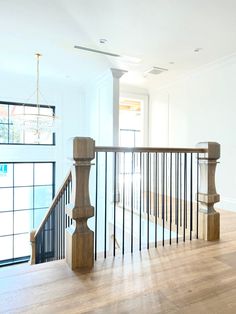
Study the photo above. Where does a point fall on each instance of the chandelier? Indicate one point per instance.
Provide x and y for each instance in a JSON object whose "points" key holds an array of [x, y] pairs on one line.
{"points": [[40, 120]]}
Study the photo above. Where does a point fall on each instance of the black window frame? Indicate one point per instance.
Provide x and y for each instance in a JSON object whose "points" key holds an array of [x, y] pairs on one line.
{"points": [[21, 259], [9, 103]]}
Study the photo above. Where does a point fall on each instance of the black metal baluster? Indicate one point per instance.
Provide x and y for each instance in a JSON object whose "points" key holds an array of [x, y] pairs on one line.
{"points": [[170, 195], [191, 195], [177, 196], [158, 182], [180, 187], [63, 223], [185, 194], [132, 201], [197, 193], [140, 201], [53, 234], [59, 229], [147, 196], [66, 202], [156, 193], [58, 239], [96, 208], [105, 223], [123, 217], [114, 221], [163, 199], [46, 240], [166, 188], [143, 179]]}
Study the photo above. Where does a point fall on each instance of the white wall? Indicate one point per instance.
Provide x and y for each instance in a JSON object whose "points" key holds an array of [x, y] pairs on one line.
{"points": [[101, 95], [202, 107], [69, 102]]}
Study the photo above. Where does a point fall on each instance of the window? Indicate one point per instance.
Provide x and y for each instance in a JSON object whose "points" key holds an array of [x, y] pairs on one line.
{"points": [[10, 133], [26, 192]]}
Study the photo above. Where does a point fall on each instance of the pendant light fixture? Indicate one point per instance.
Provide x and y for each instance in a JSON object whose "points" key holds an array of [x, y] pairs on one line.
{"points": [[38, 119]]}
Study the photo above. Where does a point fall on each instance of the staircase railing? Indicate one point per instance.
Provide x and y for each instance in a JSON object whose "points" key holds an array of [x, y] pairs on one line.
{"points": [[143, 197], [48, 242]]}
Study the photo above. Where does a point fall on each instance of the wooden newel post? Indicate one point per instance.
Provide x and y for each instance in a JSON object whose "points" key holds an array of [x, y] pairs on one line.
{"points": [[33, 252], [79, 238], [209, 219]]}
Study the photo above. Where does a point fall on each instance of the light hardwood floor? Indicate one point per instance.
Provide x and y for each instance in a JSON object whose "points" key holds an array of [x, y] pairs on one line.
{"points": [[196, 277]]}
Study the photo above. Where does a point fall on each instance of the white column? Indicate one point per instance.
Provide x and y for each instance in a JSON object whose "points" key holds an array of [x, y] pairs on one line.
{"points": [[116, 74]]}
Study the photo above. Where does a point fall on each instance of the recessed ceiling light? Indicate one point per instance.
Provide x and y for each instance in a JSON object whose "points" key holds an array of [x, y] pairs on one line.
{"points": [[171, 62], [102, 40], [197, 49]]}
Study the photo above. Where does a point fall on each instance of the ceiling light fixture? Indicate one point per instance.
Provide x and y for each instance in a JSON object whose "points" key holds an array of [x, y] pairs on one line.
{"points": [[37, 121]]}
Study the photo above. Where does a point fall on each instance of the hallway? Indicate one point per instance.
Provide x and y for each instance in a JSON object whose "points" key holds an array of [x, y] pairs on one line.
{"points": [[196, 277]]}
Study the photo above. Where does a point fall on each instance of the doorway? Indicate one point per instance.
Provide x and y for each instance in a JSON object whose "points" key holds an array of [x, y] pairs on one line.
{"points": [[132, 126]]}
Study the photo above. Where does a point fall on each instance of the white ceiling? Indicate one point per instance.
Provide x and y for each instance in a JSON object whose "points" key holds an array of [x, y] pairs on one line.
{"points": [[156, 31]]}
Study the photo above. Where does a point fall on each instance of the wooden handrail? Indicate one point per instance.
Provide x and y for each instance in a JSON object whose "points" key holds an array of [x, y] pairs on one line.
{"points": [[54, 202], [150, 149]]}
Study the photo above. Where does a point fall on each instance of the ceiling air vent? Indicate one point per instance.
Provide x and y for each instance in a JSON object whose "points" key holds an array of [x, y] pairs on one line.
{"points": [[156, 70]]}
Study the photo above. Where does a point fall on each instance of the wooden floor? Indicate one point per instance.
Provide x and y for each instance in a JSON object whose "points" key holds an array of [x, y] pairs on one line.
{"points": [[197, 277]]}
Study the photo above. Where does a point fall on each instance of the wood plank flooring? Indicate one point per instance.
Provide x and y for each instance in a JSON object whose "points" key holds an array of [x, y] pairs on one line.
{"points": [[196, 277]]}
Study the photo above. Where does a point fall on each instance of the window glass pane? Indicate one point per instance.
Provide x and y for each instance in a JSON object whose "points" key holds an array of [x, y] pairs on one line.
{"points": [[15, 132], [12, 129], [14, 111], [29, 137], [21, 245], [3, 133], [4, 113], [6, 224], [31, 110], [46, 111], [15, 135], [23, 174], [23, 198], [42, 196], [6, 245], [38, 216], [6, 175], [24, 217], [43, 174], [46, 137], [6, 199], [22, 221]]}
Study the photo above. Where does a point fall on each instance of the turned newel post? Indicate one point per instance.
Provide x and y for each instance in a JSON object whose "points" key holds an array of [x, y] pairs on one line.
{"points": [[79, 238], [209, 219], [33, 249]]}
